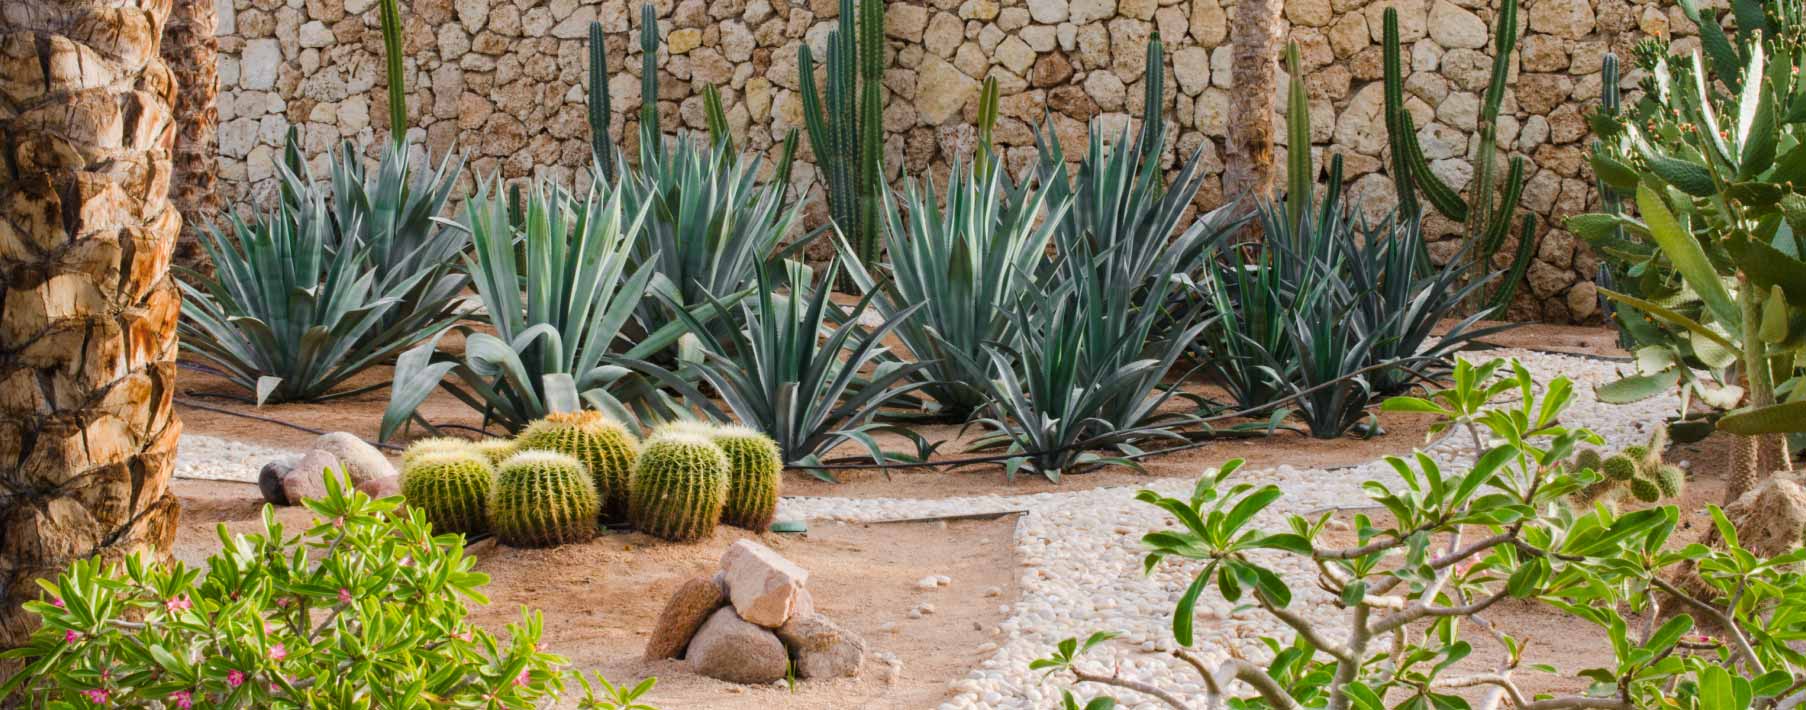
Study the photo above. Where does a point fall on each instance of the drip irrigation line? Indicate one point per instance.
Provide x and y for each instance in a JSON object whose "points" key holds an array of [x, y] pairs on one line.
{"points": [[186, 402], [1207, 438]]}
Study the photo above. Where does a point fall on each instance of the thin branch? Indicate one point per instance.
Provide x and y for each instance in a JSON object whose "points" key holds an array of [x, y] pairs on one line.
{"points": [[1724, 622], [1116, 679]]}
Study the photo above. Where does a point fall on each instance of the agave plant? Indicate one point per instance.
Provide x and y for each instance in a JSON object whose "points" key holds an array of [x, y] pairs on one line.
{"points": [[801, 370], [1079, 375], [961, 269], [710, 225], [557, 315], [287, 316]]}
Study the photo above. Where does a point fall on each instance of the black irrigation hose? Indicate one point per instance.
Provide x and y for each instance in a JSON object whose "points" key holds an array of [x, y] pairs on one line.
{"points": [[272, 420], [855, 464]]}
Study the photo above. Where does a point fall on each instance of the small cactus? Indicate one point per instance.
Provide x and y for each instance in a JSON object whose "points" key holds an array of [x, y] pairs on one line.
{"points": [[1645, 490], [1671, 479], [435, 445], [496, 450], [754, 472], [602, 445], [1635, 452], [543, 499], [1587, 458], [1619, 467], [679, 486], [452, 488]]}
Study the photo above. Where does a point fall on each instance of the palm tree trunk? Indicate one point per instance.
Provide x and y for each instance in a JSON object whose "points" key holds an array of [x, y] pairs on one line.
{"points": [[191, 50], [1255, 74], [88, 318]]}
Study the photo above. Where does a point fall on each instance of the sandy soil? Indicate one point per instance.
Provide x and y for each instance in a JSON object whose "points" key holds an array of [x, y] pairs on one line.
{"points": [[600, 599]]}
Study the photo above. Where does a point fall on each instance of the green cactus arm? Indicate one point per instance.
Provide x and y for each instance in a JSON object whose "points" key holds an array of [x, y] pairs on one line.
{"points": [[1332, 190], [651, 138], [1505, 37], [1300, 173], [821, 140], [1437, 192], [1481, 209], [1153, 128], [1394, 105], [601, 104], [398, 91], [1713, 40], [1494, 235], [1520, 263]]}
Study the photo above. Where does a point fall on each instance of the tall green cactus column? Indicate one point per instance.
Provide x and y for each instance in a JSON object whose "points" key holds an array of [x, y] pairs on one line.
{"points": [[847, 131], [1485, 223]]}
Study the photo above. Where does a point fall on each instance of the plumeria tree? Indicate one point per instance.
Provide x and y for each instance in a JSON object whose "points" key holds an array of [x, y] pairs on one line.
{"points": [[1455, 543]]}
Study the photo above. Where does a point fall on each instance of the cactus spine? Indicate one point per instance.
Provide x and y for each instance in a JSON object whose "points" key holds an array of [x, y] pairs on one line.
{"points": [[604, 447], [1486, 224], [679, 486], [496, 450], [847, 131], [452, 488], [435, 445], [1619, 467], [543, 499], [754, 473]]}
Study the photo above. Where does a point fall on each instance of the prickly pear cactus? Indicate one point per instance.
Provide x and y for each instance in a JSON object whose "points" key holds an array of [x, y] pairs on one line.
{"points": [[679, 486], [543, 499], [1645, 490], [601, 444], [452, 488], [1619, 467], [755, 471], [1671, 480]]}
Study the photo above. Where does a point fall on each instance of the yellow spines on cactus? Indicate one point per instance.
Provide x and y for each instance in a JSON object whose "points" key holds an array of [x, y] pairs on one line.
{"points": [[496, 450], [686, 426], [679, 486], [1587, 458], [543, 499], [1670, 479], [1645, 490], [452, 488], [601, 444], [755, 471], [1619, 467], [435, 445]]}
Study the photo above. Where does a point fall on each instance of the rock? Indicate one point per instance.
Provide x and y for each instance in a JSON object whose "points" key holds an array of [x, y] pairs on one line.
{"points": [[384, 487], [942, 90], [1566, 18], [1191, 67], [728, 648], [1583, 300], [822, 648], [259, 64], [1310, 13], [764, 587], [1769, 518], [1053, 69], [928, 583], [905, 22], [1452, 27], [688, 608], [307, 480], [1209, 23], [269, 479], [361, 460], [1048, 12], [1084, 12]]}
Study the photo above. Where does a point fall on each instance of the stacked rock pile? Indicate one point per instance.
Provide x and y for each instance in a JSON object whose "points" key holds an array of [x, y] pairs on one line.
{"points": [[751, 621], [289, 480]]}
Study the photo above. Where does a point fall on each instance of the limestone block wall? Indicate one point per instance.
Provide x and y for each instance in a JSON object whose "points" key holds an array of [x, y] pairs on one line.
{"points": [[503, 81]]}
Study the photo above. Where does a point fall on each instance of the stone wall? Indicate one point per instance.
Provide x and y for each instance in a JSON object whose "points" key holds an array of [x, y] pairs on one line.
{"points": [[503, 81]]}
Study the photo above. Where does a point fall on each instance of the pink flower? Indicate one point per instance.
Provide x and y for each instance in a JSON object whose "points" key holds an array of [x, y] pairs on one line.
{"points": [[344, 595], [282, 602], [278, 652], [178, 603], [523, 678], [71, 636], [98, 695], [183, 699], [235, 678], [56, 602]]}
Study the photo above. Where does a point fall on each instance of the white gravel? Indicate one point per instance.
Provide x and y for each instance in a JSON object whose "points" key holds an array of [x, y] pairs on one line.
{"points": [[1080, 552], [1081, 559]]}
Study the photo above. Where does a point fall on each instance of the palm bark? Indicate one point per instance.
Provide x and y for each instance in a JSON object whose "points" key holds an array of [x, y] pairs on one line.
{"points": [[191, 50], [1255, 75], [87, 308]]}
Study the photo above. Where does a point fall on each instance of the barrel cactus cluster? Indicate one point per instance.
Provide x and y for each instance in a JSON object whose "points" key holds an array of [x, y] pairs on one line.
{"points": [[570, 473], [1638, 470]]}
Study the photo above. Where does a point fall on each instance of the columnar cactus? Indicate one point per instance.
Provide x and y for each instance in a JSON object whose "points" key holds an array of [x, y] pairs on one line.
{"points": [[452, 488], [679, 486], [754, 472], [601, 444], [543, 499], [436, 445]]}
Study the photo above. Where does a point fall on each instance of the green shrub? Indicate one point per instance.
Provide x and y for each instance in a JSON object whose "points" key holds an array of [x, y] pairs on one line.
{"points": [[679, 487], [604, 447], [543, 499], [452, 488], [362, 605], [754, 474]]}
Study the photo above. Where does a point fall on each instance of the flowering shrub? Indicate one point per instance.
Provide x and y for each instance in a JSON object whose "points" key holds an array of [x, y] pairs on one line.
{"points": [[362, 609], [1457, 543]]}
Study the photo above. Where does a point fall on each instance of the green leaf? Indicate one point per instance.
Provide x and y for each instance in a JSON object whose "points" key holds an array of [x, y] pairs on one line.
{"points": [[1782, 418], [1636, 388], [1684, 252]]}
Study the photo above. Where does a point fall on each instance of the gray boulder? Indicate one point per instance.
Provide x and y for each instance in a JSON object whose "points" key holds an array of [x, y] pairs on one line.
{"points": [[728, 648], [269, 479], [362, 461], [823, 649]]}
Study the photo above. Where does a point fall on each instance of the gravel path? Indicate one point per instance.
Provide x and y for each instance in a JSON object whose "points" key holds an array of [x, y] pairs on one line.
{"points": [[1080, 552]]}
